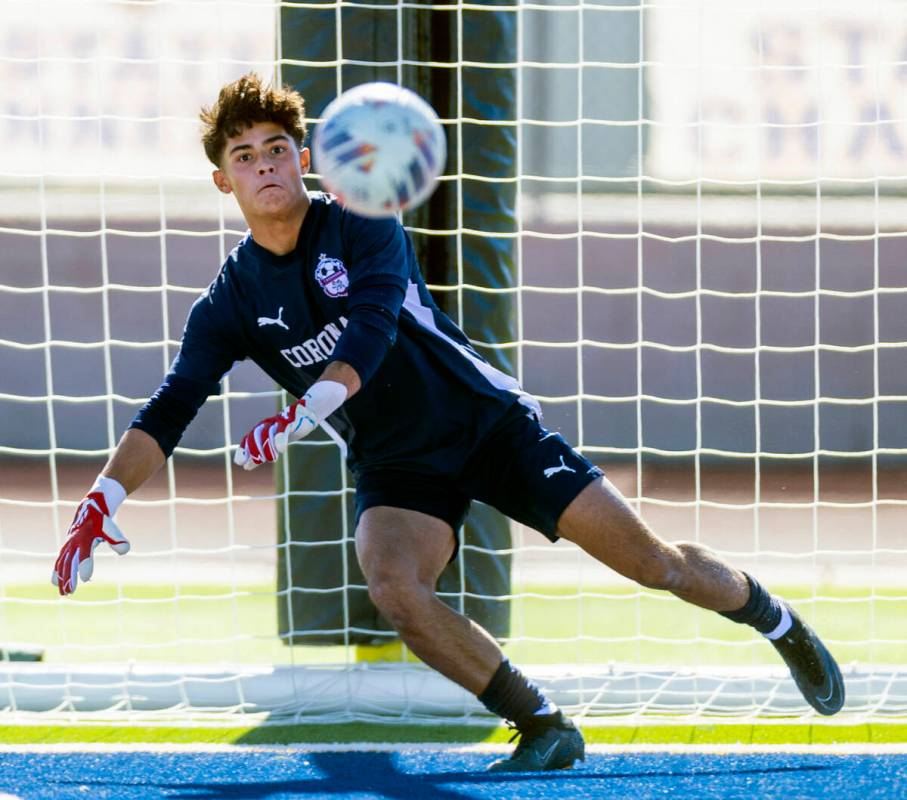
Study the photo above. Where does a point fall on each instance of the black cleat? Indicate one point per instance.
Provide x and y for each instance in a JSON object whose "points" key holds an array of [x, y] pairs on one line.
{"points": [[549, 742], [813, 668]]}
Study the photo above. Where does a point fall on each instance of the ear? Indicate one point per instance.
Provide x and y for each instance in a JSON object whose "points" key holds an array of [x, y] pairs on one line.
{"points": [[221, 181], [305, 160]]}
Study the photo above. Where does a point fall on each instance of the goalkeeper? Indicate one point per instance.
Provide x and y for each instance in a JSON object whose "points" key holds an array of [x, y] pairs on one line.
{"points": [[333, 307]]}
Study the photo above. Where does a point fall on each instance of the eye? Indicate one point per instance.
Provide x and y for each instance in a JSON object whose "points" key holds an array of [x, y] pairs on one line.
{"points": [[244, 157], [278, 149]]}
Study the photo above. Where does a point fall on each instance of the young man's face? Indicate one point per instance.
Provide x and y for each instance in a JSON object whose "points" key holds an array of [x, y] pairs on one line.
{"points": [[263, 167]]}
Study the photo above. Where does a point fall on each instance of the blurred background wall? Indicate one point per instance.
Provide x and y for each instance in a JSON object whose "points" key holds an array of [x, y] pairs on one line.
{"points": [[736, 204]]}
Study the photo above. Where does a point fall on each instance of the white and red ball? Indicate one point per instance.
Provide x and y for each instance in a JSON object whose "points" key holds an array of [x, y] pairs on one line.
{"points": [[380, 149]]}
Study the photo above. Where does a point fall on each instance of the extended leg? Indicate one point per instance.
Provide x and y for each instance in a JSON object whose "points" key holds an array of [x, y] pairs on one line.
{"points": [[601, 522]]}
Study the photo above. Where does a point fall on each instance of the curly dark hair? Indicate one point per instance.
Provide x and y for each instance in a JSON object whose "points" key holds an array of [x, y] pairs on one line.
{"points": [[244, 102]]}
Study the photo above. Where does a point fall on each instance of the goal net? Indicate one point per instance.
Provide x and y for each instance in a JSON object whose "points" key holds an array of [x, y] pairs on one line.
{"points": [[711, 296]]}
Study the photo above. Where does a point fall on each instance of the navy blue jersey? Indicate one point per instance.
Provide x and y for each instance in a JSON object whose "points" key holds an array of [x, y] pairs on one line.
{"points": [[351, 290]]}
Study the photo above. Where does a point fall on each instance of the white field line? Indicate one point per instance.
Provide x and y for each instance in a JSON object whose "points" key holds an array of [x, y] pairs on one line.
{"points": [[857, 748]]}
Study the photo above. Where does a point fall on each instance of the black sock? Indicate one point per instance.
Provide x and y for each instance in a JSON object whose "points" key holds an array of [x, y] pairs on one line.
{"points": [[511, 695], [762, 610]]}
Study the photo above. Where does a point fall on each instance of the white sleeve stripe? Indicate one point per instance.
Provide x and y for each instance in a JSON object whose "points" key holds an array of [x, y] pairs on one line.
{"points": [[500, 380]]}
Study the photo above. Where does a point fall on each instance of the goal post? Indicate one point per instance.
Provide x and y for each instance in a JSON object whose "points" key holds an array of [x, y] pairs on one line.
{"points": [[709, 300], [412, 46]]}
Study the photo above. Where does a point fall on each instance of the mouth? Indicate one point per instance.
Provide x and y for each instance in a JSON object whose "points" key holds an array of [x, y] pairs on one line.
{"points": [[269, 186]]}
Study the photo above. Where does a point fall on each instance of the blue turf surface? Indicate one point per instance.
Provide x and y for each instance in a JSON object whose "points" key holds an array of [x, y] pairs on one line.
{"points": [[257, 775]]}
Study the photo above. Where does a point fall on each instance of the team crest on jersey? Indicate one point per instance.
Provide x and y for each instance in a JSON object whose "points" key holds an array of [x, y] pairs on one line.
{"points": [[331, 276]]}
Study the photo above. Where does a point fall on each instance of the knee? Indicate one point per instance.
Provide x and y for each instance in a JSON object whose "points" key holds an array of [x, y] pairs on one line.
{"points": [[398, 597]]}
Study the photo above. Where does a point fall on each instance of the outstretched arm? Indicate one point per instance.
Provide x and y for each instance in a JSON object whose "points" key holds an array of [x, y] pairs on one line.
{"points": [[140, 453], [207, 351]]}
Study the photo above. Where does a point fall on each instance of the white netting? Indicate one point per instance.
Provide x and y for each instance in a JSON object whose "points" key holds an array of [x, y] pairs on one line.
{"points": [[712, 295]]}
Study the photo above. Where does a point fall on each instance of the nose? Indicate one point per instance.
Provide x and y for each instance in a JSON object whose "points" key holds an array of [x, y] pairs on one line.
{"points": [[264, 167]]}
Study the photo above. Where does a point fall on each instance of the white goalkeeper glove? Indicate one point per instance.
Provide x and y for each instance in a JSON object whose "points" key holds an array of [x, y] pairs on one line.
{"points": [[93, 524], [271, 437]]}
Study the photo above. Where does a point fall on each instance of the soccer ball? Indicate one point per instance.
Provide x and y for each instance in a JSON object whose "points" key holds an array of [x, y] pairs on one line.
{"points": [[380, 149]]}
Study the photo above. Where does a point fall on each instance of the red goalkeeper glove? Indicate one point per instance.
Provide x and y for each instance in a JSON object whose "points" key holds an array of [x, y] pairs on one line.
{"points": [[91, 526], [271, 437]]}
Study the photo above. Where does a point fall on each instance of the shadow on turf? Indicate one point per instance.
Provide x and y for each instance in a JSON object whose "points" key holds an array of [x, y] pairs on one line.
{"points": [[352, 773]]}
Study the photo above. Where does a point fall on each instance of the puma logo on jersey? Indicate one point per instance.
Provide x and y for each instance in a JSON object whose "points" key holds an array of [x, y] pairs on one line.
{"points": [[562, 468], [262, 321]]}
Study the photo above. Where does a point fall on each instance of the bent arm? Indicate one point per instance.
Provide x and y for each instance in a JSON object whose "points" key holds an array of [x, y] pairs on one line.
{"points": [[381, 264], [136, 458]]}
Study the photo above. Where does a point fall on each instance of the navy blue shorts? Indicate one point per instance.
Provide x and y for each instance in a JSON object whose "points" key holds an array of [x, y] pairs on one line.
{"points": [[526, 472]]}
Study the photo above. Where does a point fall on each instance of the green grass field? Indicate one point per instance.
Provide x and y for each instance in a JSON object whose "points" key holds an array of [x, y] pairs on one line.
{"points": [[207, 623]]}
